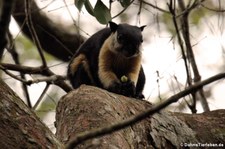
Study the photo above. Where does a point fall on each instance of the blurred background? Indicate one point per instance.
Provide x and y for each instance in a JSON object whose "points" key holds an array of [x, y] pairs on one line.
{"points": [[162, 58]]}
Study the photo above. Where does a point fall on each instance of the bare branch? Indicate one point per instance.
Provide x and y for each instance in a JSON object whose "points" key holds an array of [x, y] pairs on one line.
{"points": [[33, 32], [156, 7], [211, 9], [42, 95], [12, 75], [50, 79], [53, 38], [23, 69], [38, 70], [173, 12], [190, 55], [15, 56], [122, 10], [191, 7]]}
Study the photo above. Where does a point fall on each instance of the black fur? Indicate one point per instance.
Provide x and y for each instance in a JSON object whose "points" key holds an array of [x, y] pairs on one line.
{"points": [[129, 38]]}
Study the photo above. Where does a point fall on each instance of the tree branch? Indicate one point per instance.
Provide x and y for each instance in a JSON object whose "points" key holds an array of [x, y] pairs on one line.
{"points": [[52, 78], [190, 55], [23, 69], [212, 9], [34, 36], [134, 119], [54, 39], [12, 50], [41, 96], [122, 10], [155, 7], [172, 9]]}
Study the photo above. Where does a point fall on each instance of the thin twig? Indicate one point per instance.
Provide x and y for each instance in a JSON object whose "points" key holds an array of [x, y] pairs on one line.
{"points": [[41, 96], [158, 84], [155, 7], [173, 12], [187, 10], [71, 16], [139, 12], [212, 9], [80, 138], [172, 9], [184, 26], [36, 70], [51, 79], [23, 69], [122, 10], [190, 106], [12, 75], [190, 55], [33, 32], [15, 57]]}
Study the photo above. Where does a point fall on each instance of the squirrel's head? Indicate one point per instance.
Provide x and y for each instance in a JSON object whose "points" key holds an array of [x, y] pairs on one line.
{"points": [[127, 39]]}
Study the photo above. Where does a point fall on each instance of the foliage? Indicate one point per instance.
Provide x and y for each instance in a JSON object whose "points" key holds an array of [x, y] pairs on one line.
{"points": [[100, 11]]}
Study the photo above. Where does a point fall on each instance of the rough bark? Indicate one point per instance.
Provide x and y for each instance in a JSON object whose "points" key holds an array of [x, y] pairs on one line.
{"points": [[20, 127], [81, 110], [88, 108]]}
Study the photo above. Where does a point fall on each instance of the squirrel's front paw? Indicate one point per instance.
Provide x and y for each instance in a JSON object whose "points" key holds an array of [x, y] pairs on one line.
{"points": [[128, 88], [123, 88], [115, 87]]}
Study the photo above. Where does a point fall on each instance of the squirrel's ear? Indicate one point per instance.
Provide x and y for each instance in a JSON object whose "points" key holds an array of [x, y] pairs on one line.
{"points": [[113, 26], [142, 27]]}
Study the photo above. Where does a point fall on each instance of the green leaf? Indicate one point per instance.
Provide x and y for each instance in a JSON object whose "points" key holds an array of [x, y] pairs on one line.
{"points": [[79, 4], [102, 13], [125, 3], [89, 7]]}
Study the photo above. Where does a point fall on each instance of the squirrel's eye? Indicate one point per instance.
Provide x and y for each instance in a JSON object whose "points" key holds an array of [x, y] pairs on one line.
{"points": [[120, 37]]}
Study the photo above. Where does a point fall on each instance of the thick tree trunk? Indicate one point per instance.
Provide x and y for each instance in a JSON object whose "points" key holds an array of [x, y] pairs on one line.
{"points": [[20, 128], [88, 108]]}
